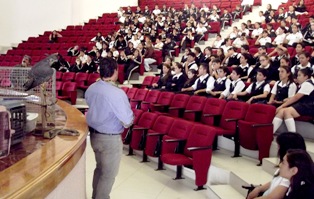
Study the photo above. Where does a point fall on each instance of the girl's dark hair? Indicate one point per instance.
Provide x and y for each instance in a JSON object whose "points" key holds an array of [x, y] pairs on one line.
{"points": [[205, 67], [164, 79], [193, 71], [225, 70], [288, 140], [288, 70], [306, 71], [209, 49], [302, 160], [287, 59]]}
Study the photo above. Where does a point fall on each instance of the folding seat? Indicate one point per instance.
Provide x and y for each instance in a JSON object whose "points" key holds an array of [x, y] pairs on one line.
{"points": [[151, 97], [68, 76], [233, 112], [140, 95], [162, 103], [92, 78], [179, 129], [215, 27], [58, 87], [81, 80], [194, 108], [256, 130], [178, 104], [253, 50], [125, 89], [161, 125], [212, 111], [147, 82], [156, 79], [145, 122], [126, 135], [195, 154], [59, 75], [158, 56], [68, 92]]}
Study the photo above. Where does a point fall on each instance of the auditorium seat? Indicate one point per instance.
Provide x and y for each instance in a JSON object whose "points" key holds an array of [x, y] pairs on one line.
{"points": [[212, 111], [138, 98], [162, 103], [151, 97], [178, 104], [131, 93], [194, 108], [147, 82], [81, 80], [126, 135], [68, 76], [68, 92], [256, 130], [196, 153]]}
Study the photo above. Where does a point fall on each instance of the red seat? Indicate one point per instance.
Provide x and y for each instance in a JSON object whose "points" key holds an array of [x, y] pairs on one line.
{"points": [[212, 111], [58, 75], [138, 98], [178, 105], [81, 80], [137, 114], [125, 89], [256, 130], [151, 97], [147, 82], [196, 153], [163, 102], [131, 93], [179, 129], [215, 27], [68, 92], [233, 112], [161, 125], [145, 122], [194, 108], [68, 76], [58, 87]]}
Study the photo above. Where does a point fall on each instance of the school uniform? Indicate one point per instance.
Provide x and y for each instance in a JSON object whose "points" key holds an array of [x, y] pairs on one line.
{"points": [[305, 105], [295, 69], [202, 82], [234, 59], [236, 86], [193, 65], [220, 84], [283, 91], [258, 88], [178, 80]]}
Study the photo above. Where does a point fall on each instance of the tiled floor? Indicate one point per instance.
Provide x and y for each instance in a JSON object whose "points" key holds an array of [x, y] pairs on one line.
{"points": [[140, 181]]}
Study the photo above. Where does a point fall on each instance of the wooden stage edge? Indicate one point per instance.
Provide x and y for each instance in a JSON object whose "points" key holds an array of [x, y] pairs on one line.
{"points": [[38, 174]]}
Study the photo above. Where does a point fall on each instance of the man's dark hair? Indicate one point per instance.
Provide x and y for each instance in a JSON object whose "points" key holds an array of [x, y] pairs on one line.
{"points": [[238, 70], [107, 66], [192, 54], [263, 71]]}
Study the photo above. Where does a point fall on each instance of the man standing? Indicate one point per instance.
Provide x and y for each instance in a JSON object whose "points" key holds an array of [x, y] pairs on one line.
{"points": [[109, 112]]}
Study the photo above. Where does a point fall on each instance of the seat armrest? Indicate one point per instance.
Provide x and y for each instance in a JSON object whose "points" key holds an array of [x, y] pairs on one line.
{"points": [[156, 134], [176, 108], [199, 148], [210, 115], [192, 111], [261, 125], [232, 119], [159, 105], [175, 140], [140, 128], [135, 100], [143, 102]]}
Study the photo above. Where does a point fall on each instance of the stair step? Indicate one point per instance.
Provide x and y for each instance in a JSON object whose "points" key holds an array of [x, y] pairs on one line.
{"points": [[225, 192]]}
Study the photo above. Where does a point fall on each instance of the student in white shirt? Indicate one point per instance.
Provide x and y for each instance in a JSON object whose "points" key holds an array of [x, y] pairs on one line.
{"points": [[284, 88], [238, 42], [304, 58], [221, 85], [263, 39], [257, 91], [201, 83], [218, 41], [294, 37], [257, 31], [236, 86], [279, 39]]}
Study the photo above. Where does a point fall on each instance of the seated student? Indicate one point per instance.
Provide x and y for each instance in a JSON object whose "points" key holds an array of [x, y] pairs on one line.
{"points": [[77, 66], [192, 77], [258, 91], [244, 65], [199, 87], [299, 48], [53, 37], [178, 79], [294, 37], [221, 85], [279, 185], [281, 35], [240, 40], [218, 41], [185, 55], [283, 89], [236, 86], [190, 62], [233, 58], [168, 46], [90, 66], [236, 12], [281, 52], [187, 39], [297, 166], [245, 50], [165, 78], [300, 104], [257, 30], [133, 61], [309, 36], [304, 59], [263, 39], [225, 18], [73, 51]]}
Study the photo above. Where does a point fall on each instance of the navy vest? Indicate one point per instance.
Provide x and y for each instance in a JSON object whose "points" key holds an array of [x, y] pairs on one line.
{"points": [[202, 84], [282, 92]]}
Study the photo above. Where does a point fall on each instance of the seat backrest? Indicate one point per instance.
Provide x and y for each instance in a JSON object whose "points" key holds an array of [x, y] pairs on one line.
{"points": [[147, 81], [59, 85], [162, 124], [260, 113], [59, 75], [68, 76], [195, 103], [68, 86], [179, 100], [233, 109], [165, 98], [131, 92], [151, 97], [147, 119], [92, 77], [156, 79], [125, 89], [81, 77], [180, 128], [213, 106], [200, 136], [137, 115], [140, 95]]}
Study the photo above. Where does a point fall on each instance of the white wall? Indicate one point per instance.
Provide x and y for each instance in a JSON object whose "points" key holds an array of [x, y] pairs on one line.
{"points": [[23, 18]]}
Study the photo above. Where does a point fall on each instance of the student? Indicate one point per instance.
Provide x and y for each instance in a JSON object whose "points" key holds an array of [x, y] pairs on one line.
{"points": [[215, 65], [178, 79], [165, 78], [273, 74], [297, 166], [192, 77], [279, 185], [304, 59], [283, 89], [236, 86], [190, 63], [233, 58], [244, 65], [199, 87], [299, 48], [221, 85], [257, 91], [301, 103]]}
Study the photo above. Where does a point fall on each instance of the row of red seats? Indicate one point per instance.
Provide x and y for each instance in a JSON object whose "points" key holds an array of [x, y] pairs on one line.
{"points": [[83, 80], [66, 91], [200, 109], [164, 135]]}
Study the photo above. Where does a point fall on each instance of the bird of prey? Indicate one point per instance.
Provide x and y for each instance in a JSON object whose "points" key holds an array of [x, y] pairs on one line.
{"points": [[41, 72]]}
